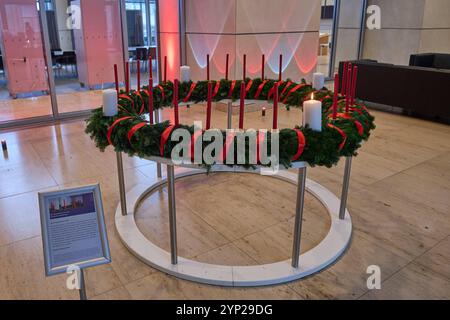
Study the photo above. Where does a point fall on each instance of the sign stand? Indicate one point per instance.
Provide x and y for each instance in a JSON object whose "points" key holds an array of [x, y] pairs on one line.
{"points": [[83, 295]]}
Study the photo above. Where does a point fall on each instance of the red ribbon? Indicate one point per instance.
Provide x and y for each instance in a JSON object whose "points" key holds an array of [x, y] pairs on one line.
{"points": [[233, 84], [126, 97], [292, 91], [216, 89], [191, 90], [272, 90], [134, 129], [111, 128], [301, 144], [164, 137], [260, 88], [249, 85], [285, 88], [141, 111], [344, 136], [163, 95], [349, 117]]}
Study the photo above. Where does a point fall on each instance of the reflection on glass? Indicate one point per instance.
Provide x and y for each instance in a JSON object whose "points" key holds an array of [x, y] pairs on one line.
{"points": [[326, 35], [141, 27], [23, 75]]}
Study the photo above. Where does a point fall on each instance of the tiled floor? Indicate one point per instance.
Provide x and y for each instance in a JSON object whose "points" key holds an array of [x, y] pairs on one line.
{"points": [[399, 201]]}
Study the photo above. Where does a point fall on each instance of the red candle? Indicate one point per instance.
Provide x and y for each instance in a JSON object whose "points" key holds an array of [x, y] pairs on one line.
{"points": [[207, 67], [150, 99], [263, 62], [275, 106], [280, 72], [241, 106], [127, 77], [175, 101], [138, 75], [116, 78], [348, 87], [226, 66], [335, 97], [165, 69], [208, 106], [344, 78], [150, 66], [244, 67], [354, 79]]}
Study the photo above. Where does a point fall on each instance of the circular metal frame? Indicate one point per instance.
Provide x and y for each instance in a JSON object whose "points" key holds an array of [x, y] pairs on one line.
{"points": [[325, 253]]}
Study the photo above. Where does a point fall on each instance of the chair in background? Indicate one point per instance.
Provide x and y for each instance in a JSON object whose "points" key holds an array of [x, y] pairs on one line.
{"points": [[141, 54]]}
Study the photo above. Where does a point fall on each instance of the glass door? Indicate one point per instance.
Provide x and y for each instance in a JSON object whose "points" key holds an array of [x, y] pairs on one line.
{"points": [[24, 85], [86, 42]]}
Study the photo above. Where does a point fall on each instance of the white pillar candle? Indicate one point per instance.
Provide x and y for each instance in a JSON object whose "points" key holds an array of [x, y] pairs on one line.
{"points": [[110, 102], [185, 73], [312, 114], [318, 80]]}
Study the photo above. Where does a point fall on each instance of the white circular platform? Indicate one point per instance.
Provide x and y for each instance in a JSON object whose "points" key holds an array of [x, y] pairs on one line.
{"points": [[314, 260]]}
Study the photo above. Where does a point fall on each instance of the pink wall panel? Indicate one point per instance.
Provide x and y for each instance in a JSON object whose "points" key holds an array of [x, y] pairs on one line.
{"points": [[169, 36], [22, 47], [99, 41]]}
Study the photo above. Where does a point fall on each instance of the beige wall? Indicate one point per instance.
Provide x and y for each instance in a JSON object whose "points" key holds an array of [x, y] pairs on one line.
{"points": [[253, 27], [407, 27]]}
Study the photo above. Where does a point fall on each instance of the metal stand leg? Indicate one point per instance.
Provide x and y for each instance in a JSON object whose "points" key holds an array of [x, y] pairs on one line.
{"points": [[230, 115], [298, 216], [345, 185], [83, 295], [158, 165], [123, 198], [172, 213]]}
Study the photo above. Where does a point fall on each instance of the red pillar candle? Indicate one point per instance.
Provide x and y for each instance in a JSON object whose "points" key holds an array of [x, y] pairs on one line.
{"points": [[275, 105], [244, 67], [127, 77], [116, 78], [227, 60], [354, 79], [150, 99], [335, 97], [138, 75], [280, 70], [165, 69], [241, 106], [207, 67], [263, 62], [208, 106], [175, 101], [344, 78], [150, 66], [348, 87]]}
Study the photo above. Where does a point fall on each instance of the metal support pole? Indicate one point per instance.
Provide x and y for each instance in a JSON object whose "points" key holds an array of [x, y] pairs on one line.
{"points": [[230, 115], [158, 165], [298, 216], [123, 198], [172, 213], [345, 185], [83, 295]]}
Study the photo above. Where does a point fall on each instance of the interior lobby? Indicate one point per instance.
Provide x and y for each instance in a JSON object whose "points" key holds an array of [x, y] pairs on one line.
{"points": [[92, 94]]}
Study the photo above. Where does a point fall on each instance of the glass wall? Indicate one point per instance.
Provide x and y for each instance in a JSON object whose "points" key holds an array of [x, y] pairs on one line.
{"points": [[326, 36], [64, 69], [24, 86]]}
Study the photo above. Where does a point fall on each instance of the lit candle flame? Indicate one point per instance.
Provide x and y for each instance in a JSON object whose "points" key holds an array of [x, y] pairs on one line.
{"points": [[312, 96]]}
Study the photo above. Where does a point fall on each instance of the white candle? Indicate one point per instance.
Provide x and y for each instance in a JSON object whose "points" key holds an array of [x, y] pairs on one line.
{"points": [[185, 73], [312, 114], [318, 80], [110, 102]]}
